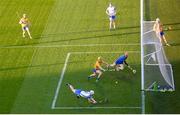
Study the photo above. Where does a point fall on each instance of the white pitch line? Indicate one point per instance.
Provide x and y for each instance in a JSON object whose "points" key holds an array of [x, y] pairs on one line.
{"points": [[104, 52], [97, 108], [60, 81], [148, 21], [74, 45]]}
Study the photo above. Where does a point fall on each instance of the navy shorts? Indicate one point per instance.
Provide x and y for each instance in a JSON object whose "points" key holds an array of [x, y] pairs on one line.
{"points": [[94, 70], [25, 28], [162, 33]]}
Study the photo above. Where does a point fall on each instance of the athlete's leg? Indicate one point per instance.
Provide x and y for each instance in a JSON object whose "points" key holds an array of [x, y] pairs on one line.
{"points": [[99, 75], [110, 22], [92, 75], [71, 87], [23, 34], [165, 40], [114, 24], [27, 29]]}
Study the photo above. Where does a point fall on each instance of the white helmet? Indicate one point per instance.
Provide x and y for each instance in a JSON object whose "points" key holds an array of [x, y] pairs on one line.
{"points": [[91, 92]]}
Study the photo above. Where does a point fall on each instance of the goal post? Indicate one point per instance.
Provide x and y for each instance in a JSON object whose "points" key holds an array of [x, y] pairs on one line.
{"points": [[158, 72]]}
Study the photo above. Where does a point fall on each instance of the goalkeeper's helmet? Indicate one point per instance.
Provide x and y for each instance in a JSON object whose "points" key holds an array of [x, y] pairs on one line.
{"points": [[91, 92]]}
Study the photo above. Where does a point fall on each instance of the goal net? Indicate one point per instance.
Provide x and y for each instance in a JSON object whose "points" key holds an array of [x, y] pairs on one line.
{"points": [[158, 73]]}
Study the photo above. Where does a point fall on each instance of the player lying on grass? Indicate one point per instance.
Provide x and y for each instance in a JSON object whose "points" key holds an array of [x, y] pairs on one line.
{"points": [[111, 12], [98, 70], [85, 94], [158, 28], [25, 25]]}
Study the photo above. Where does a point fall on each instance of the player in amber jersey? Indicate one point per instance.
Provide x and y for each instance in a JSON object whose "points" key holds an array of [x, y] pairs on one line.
{"points": [[98, 69], [25, 25]]}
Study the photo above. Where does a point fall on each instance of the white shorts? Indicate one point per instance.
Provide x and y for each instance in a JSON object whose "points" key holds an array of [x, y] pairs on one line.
{"points": [[119, 67]]}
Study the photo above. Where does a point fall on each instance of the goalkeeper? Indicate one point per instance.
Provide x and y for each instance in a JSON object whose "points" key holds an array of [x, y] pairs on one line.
{"points": [[119, 63], [98, 70]]}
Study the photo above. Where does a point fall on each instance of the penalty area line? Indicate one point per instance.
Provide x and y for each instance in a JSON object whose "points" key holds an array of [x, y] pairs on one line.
{"points": [[60, 81], [97, 108]]}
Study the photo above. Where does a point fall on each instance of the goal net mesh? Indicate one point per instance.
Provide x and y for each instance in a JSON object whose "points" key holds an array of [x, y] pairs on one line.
{"points": [[158, 73]]}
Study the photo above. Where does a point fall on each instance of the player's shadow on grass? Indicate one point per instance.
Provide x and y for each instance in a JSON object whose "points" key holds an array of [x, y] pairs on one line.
{"points": [[83, 38], [174, 24], [175, 44], [73, 39], [82, 32], [33, 66]]}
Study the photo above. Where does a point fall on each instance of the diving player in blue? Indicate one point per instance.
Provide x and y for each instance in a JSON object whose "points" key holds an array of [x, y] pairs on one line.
{"points": [[85, 94], [119, 63]]}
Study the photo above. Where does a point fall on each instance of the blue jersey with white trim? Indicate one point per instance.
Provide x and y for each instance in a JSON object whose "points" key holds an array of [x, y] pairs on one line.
{"points": [[85, 94], [121, 59]]}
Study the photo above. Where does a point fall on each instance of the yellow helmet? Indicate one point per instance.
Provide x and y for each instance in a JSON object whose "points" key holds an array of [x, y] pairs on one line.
{"points": [[99, 58]]}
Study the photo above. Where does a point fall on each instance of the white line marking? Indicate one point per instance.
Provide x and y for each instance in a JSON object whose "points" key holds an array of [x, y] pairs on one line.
{"points": [[104, 52], [73, 45], [62, 76], [60, 81], [97, 108], [148, 21]]}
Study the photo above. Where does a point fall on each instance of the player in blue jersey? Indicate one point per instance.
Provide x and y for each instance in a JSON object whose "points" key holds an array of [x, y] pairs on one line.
{"points": [[85, 94], [119, 63]]}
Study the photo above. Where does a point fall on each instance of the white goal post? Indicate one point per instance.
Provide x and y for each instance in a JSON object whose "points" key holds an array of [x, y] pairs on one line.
{"points": [[158, 73]]}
